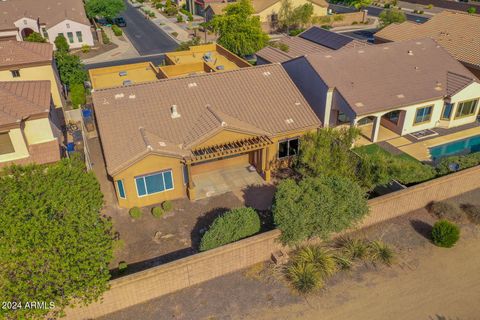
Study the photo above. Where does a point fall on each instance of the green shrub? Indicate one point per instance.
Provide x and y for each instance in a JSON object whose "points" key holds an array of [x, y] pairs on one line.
{"points": [[234, 225], [353, 249], [187, 13], [472, 10], [338, 17], [61, 43], [472, 212], [179, 18], [304, 277], [157, 212], [77, 95], [380, 252], [36, 37], [445, 233], [280, 45], [447, 210], [463, 162], [85, 48], [295, 32], [117, 30], [159, 6], [122, 266], [430, 6], [167, 206], [105, 38], [322, 259], [174, 34], [151, 14], [135, 212]]}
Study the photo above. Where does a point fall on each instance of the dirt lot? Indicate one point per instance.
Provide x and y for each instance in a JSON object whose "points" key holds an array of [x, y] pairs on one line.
{"points": [[426, 282]]}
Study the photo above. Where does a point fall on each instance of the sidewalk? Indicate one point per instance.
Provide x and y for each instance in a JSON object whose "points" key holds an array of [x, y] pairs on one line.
{"points": [[125, 49], [168, 25]]}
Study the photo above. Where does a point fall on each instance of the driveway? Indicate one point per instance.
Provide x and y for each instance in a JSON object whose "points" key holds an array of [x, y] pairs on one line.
{"points": [[145, 35]]}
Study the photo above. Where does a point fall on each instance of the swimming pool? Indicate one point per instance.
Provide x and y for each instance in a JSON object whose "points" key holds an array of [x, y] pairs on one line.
{"points": [[463, 146]]}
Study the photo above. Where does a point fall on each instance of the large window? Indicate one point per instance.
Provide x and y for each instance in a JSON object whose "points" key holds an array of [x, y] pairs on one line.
{"points": [[15, 73], [288, 148], [154, 183], [423, 115], [121, 189], [466, 108], [70, 37], [79, 36], [447, 111]]}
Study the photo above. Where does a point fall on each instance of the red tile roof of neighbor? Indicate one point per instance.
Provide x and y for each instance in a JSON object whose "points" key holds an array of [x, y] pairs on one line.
{"points": [[50, 12], [387, 76], [20, 53], [136, 120], [22, 99], [457, 32]]}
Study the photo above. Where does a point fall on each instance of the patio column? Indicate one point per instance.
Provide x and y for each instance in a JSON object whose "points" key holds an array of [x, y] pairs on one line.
{"points": [[266, 164], [190, 184], [376, 128]]}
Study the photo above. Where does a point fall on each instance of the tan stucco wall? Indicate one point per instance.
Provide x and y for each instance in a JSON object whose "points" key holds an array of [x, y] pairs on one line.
{"points": [[150, 164], [221, 163], [469, 93], [38, 131], [36, 73], [19, 145], [275, 9]]}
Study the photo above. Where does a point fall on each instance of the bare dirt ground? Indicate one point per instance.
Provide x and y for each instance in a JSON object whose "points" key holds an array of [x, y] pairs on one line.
{"points": [[426, 282]]}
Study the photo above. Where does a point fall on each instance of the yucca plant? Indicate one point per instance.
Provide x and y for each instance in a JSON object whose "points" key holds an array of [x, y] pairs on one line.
{"points": [[381, 252], [304, 277], [321, 258], [354, 249], [343, 262]]}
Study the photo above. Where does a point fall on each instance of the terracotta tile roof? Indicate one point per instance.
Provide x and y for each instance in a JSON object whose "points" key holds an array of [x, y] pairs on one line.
{"points": [[22, 99], [457, 32], [50, 12], [386, 76], [137, 119], [313, 40], [22, 53]]}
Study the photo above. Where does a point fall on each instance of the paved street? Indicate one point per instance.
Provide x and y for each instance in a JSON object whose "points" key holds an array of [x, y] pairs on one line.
{"points": [[375, 11], [145, 35]]}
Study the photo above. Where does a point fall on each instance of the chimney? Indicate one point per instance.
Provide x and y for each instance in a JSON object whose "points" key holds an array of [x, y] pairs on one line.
{"points": [[173, 112]]}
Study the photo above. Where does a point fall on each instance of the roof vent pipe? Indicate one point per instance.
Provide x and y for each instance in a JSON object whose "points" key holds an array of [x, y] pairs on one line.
{"points": [[173, 112], [410, 52]]}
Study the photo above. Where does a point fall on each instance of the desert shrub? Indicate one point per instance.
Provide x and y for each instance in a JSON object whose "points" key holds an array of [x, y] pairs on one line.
{"points": [[338, 17], [430, 6], [157, 212], [447, 210], [280, 45], [353, 249], [304, 277], [445, 233], [135, 212], [462, 162], [117, 30], [167, 206], [187, 13], [122, 266], [77, 95], [472, 212], [295, 32], [234, 225], [322, 259], [380, 252], [85, 48], [174, 34], [179, 18], [151, 14]]}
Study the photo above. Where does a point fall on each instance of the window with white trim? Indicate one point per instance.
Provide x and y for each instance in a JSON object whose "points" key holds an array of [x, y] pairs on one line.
{"points": [[121, 189], [154, 183]]}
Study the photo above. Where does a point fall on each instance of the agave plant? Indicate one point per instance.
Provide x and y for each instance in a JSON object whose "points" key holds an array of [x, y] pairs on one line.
{"points": [[304, 277], [381, 252]]}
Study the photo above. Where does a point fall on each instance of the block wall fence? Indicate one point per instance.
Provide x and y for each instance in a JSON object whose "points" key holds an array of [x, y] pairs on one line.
{"points": [[170, 277]]}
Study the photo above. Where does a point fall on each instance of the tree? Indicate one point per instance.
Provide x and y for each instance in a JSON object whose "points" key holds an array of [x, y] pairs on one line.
{"points": [[55, 246], [390, 16], [303, 14], [61, 44], [77, 95], [316, 207], [104, 8], [35, 37], [290, 17], [238, 30], [360, 4], [70, 68], [234, 225]]}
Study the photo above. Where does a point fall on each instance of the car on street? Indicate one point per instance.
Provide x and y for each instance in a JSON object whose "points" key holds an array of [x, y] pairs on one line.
{"points": [[120, 21]]}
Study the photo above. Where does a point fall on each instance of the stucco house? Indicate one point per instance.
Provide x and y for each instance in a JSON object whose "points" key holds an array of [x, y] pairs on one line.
{"points": [[26, 133], [23, 61], [169, 138], [457, 32], [266, 10], [19, 18], [404, 86]]}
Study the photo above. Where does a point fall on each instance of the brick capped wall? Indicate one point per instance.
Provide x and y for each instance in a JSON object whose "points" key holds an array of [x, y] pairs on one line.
{"points": [[155, 282]]}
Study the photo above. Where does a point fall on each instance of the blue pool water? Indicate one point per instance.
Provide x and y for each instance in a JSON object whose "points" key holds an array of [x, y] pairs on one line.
{"points": [[464, 146]]}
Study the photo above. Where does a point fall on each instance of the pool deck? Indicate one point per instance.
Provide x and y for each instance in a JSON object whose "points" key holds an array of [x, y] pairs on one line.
{"points": [[419, 149]]}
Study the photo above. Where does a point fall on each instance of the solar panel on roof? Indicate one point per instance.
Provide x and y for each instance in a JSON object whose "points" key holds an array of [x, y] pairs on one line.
{"points": [[326, 38]]}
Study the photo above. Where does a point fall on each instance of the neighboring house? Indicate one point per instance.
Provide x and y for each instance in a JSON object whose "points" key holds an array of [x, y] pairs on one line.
{"points": [[160, 138], [26, 132], [457, 32], [266, 10], [405, 87], [312, 40], [21, 61], [50, 18]]}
